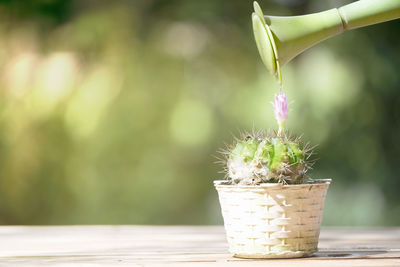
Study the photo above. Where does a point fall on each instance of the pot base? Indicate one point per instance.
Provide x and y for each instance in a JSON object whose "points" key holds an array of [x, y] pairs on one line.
{"points": [[282, 255]]}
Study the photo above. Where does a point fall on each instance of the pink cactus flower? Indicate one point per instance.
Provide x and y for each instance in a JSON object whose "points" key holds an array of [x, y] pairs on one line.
{"points": [[281, 111]]}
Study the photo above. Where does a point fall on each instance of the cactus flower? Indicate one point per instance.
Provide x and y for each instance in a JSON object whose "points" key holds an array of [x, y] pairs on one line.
{"points": [[281, 111]]}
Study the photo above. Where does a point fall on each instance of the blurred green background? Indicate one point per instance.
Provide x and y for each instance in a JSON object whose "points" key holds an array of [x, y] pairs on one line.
{"points": [[111, 111]]}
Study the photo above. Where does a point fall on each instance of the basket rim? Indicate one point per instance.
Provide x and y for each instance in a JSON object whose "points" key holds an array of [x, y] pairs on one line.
{"points": [[325, 181]]}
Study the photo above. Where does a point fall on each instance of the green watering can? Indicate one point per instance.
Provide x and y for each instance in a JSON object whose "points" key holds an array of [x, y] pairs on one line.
{"points": [[279, 39]]}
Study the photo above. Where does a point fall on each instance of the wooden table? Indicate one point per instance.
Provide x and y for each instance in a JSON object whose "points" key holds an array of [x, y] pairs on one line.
{"points": [[181, 246]]}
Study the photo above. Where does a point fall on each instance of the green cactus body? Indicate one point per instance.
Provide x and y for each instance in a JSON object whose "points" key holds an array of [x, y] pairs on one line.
{"points": [[248, 149], [267, 159], [265, 152], [295, 153], [279, 153]]}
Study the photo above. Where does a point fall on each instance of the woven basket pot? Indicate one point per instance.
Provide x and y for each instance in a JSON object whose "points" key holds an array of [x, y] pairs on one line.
{"points": [[272, 220]]}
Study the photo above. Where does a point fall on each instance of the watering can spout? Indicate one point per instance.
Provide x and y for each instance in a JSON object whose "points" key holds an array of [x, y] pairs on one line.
{"points": [[279, 39]]}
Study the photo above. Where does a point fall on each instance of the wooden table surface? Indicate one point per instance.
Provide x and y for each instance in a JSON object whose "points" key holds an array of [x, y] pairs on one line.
{"points": [[181, 246]]}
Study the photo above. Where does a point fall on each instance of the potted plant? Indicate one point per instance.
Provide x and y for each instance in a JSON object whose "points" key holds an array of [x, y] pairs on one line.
{"points": [[270, 206]]}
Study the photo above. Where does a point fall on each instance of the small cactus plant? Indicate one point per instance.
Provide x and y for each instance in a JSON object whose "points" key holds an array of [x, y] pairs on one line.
{"points": [[268, 157]]}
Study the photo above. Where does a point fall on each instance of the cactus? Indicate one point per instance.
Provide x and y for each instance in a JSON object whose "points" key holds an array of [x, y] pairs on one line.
{"points": [[265, 157]]}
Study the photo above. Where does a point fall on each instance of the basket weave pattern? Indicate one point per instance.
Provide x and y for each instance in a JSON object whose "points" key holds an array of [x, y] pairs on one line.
{"points": [[272, 220]]}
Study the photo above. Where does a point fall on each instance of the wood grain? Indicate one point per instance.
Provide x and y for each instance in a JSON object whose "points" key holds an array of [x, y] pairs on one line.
{"points": [[181, 246]]}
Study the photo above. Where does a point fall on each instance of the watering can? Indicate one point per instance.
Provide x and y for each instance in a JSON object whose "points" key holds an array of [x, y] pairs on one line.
{"points": [[279, 39]]}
